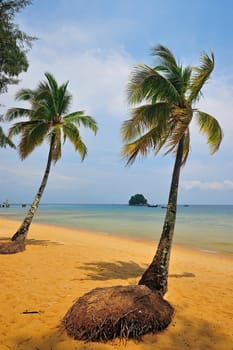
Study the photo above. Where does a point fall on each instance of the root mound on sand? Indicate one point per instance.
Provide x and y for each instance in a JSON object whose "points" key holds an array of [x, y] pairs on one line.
{"points": [[11, 247], [121, 311]]}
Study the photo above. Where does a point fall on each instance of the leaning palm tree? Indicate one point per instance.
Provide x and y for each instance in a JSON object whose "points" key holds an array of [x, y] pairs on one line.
{"points": [[165, 97], [47, 120]]}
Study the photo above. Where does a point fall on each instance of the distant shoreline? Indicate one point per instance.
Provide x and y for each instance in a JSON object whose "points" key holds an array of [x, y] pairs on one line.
{"points": [[201, 227]]}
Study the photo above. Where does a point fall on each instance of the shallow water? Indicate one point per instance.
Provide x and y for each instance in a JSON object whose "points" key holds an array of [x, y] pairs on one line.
{"points": [[208, 227]]}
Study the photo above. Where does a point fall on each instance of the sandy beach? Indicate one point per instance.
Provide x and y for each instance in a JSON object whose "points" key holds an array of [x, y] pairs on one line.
{"points": [[61, 264]]}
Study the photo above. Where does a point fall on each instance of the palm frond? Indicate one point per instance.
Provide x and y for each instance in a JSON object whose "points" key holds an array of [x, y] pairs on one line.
{"points": [[143, 118], [33, 135], [40, 110], [166, 57], [80, 119], [146, 83], [51, 81], [18, 128], [71, 131], [64, 99], [5, 141], [212, 129], [186, 77], [150, 140], [14, 113], [25, 95], [47, 93], [200, 76]]}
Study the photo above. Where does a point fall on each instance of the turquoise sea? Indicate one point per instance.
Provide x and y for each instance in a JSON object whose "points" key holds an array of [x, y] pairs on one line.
{"points": [[207, 227]]}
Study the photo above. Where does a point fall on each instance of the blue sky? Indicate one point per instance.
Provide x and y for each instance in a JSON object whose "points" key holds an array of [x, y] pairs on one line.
{"points": [[94, 45]]}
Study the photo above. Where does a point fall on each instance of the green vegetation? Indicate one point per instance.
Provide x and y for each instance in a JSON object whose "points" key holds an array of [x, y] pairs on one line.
{"points": [[13, 47], [47, 120], [14, 43], [138, 199], [167, 94], [4, 140]]}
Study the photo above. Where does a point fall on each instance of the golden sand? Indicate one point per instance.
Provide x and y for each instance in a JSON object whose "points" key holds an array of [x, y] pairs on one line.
{"points": [[61, 264]]}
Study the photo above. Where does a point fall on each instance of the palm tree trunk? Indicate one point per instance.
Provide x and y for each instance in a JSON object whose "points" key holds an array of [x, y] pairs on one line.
{"points": [[156, 275], [21, 233]]}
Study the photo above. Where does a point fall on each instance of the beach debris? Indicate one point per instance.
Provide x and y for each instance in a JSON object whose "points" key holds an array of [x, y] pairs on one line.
{"points": [[31, 312], [11, 247], [127, 312]]}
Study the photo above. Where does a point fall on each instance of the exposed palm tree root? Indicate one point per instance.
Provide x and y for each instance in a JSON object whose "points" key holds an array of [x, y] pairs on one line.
{"points": [[121, 311], [11, 247]]}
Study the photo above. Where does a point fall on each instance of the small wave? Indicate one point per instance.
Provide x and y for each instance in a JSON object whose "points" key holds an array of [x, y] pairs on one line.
{"points": [[209, 251]]}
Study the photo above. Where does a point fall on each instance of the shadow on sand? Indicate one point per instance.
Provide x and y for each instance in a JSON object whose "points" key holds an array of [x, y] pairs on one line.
{"points": [[103, 271], [32, 241]]}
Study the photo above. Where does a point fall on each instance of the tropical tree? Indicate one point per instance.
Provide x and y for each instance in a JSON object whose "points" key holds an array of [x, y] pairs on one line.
{"points": [[165, 99], [47, 120], [14, 43]]}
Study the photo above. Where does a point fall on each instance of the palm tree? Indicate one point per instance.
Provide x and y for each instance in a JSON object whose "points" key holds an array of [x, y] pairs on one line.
{"points": [[46, 120], [166, 95]]}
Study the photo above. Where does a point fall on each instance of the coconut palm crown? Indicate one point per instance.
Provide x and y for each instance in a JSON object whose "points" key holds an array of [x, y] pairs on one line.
{"points": [[47, 119], [164, 99]]}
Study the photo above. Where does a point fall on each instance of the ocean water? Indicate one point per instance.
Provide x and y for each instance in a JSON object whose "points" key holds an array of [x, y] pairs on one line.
{"points": [[208, 227]]}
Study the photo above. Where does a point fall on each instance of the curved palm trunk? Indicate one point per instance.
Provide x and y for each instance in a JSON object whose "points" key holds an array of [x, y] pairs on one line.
{"points": [[21, 233], [156, 275]]}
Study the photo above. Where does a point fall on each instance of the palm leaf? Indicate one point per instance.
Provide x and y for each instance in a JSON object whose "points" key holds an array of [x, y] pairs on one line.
{"points": [[146, 83], [71, 131], [210, 126], [25, 95], [13, 113], [200, 76], [143, 118], [150, 140], [80, 119], [166, 57], [4, 140], [64, 99], [33, 134]]}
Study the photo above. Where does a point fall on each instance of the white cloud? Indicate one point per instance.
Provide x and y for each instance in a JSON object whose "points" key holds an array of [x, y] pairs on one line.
{"points": [[97, 73], [214, 185], [97, 69]]}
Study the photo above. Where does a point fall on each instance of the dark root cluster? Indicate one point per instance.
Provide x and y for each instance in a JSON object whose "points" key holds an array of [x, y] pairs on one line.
{"points": [[11, 247], [127, 312]]}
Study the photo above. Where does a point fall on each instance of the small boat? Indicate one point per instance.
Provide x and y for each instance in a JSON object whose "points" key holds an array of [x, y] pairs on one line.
{"points": [[6, 204], [152, 205], [24, 205]]}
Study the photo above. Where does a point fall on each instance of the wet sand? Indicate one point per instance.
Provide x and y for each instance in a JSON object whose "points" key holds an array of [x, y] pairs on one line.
{"points": [[61, 264]]}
